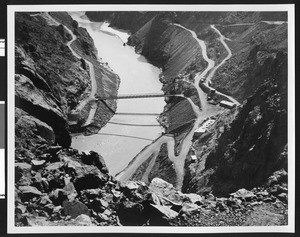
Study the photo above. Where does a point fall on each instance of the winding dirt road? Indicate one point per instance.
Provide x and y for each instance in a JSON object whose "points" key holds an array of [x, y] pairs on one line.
{"points": [[153, 148], [92, 94], [205, 111]]}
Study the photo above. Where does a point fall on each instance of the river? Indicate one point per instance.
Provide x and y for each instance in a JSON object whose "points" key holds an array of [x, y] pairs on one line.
{"points": [[116, 142]]}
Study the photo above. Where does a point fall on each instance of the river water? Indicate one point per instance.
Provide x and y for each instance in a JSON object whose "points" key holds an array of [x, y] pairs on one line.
{"points": [[116, 142]]}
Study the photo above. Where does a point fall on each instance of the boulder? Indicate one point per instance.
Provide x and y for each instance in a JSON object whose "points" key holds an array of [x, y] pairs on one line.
{"points": [[153, 198], [54, 166], [86, 176], [107, 212], [164, 189], [38, 163], [189, 209], [23, 167], [30, 191], [262, 193], [45, 200], [75, 208], [22, 171], [131, 185], [82, 220], [161, 215], [37, 221], [193, 198], [93, 158], [102, 217], [34, 126], [283, 197], [70, 191], [116, 195], [277, 177], [233, 202], [131, 213], [243, 194]]}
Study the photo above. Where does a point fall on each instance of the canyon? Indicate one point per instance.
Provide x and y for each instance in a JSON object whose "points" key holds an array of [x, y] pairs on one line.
{"points": [[236, 167]]}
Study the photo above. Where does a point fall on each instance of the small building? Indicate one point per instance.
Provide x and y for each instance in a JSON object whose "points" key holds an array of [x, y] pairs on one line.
{"points": [[193, 158], [203, 127], [227, 104]]}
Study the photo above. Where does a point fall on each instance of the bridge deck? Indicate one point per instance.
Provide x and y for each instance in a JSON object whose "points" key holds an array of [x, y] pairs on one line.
{"points": [[134, 96]]}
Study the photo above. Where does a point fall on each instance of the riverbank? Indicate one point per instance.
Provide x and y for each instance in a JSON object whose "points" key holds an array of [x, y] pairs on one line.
{"points": [[129, 131], [90, 116]]}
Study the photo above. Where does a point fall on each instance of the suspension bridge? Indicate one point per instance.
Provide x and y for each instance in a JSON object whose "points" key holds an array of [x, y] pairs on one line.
{"points": [[135, 96]]}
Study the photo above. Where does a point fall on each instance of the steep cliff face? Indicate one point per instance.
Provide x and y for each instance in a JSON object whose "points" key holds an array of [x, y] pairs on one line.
{"points": [[168, 46], [248, 149], [255, 54], [50, 81], [107, 81], [131, 21], [44, 66]]}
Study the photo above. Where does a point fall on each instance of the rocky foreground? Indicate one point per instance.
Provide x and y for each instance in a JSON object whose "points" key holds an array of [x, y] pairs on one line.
{"points": [[63, 187]]}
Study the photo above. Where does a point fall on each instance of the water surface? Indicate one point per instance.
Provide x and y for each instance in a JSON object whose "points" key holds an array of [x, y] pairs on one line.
{"points": [[116, 142]]}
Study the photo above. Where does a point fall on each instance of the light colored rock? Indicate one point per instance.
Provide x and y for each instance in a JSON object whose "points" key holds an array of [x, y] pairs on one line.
{"points": [[243, 194], [54, 166], [83, 220], [193, 198], [38, 162], [23, 166], [30, 190], [70, 191], [189, 208], [165, 190]]}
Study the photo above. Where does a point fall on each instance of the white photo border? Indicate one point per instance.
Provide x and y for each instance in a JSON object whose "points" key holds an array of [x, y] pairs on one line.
{"points": [[11, 9]]}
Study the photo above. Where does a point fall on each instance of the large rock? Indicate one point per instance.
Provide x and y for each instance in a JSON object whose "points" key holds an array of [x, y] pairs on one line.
{"points": [[22, 173], [193, 198], [75, 208], [166, 190], [28, 192], [131, 213], [86, 176], [70, 191], [161, 215], [42, 107], [82, 220], [36, 126], [243, 194], [93, 158], [189, 208]]}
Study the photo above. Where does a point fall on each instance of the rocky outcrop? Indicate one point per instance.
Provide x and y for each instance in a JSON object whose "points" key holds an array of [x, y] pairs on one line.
{"points": [[168, 46], [107, 81], [258, 56], [62, 187], [34, 102], [250, 148]]}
